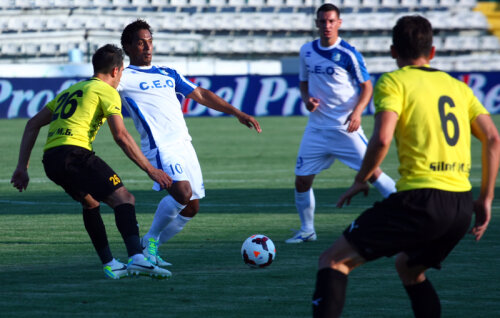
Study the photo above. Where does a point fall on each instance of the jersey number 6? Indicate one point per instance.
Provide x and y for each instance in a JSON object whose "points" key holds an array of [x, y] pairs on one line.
{"points": [[450, 117]]}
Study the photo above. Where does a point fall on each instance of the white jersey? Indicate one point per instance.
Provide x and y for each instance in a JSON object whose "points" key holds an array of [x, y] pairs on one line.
{"points": [[333, 75], [150, 95]]}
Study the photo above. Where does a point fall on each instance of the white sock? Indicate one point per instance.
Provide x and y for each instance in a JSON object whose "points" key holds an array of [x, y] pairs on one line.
{"points": [[385, 185], [167, 210], [305, 204], [173, 228]]}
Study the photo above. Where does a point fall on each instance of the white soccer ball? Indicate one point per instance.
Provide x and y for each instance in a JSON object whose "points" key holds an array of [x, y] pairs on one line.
{"points": [[258, 251]]}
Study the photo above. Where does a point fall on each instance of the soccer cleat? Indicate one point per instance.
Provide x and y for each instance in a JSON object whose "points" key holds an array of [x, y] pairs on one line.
{"points": [[151, 252], [115, 271], [301, 236], [160, 261], [144, 267]]}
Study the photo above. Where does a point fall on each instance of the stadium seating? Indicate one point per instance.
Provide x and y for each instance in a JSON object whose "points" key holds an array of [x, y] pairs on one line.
{"points": [[233, 28]]}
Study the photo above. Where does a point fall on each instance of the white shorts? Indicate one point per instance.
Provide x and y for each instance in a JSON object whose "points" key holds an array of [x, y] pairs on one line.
{"points": [[320, 147], [180, 162]]}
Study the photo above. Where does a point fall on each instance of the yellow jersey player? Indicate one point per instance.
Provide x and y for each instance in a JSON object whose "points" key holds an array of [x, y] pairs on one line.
{"points": [[432, 116], [75, 116]]}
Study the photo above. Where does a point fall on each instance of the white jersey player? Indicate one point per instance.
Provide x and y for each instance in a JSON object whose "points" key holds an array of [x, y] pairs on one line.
{"points": [[336, 88], [150, 94]]}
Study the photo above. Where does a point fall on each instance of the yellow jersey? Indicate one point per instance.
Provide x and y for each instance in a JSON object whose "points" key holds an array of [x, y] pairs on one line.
{"points": [[433, 132], [79, 111]]}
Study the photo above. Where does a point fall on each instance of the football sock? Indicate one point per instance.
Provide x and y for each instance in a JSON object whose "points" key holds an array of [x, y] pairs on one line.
{"points": [[385, 185], [424, 300], [305, 204], [167, 210], [97, 231], [173, 228], [329, 296], [126, 223]]}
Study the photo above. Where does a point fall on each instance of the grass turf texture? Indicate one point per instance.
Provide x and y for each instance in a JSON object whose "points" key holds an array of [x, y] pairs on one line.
{"points": [[48, 266]]}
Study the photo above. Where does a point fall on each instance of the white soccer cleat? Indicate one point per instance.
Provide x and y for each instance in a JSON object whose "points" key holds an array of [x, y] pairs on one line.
{"points": [[161, 262], [115, 271], [144, 267], [150, 250], [301, 237]]}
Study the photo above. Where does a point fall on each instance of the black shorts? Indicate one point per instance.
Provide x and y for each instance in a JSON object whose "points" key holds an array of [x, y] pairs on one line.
{"points": [[426, 224], [80, 172]]}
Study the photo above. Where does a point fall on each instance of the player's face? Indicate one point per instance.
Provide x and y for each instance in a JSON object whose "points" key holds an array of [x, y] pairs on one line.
{"points": [[141, 49], [328, 24]]}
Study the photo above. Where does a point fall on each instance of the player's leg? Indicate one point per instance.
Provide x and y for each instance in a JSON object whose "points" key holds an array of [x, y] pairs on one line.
{"points": [[424, 298], [352, 149], [305, 204], [335, 264], [168, 208], [312, 158], [182, 205], [180, 221]]}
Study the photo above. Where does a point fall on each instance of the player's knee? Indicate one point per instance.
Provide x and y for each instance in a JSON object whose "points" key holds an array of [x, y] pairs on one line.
{"points": [[182, 192], [190, 210], [120, 196], [302, 184], [409, 275]]}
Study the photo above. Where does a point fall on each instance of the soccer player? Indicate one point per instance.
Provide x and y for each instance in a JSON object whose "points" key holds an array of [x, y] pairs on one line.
{"points": [[432, 117], [335, 87], [149, 93], [75, 116]]}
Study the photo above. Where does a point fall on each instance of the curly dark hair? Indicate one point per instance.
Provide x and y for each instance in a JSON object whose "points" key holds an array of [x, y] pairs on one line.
{"points": [[131, 29]]}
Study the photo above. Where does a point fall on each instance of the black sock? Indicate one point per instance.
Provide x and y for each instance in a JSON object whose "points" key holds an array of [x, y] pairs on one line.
{"points": [[329, 296], [424, 300], [126, 223], [97, 232]]}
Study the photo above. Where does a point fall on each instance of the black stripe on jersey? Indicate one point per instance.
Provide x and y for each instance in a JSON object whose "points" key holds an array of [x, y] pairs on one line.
{"points": [[427, 69]]}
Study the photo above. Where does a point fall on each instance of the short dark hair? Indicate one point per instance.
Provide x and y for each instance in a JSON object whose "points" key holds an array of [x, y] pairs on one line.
{"points": [[106, 58], [328, 7], [412, 37], [131, 30]]}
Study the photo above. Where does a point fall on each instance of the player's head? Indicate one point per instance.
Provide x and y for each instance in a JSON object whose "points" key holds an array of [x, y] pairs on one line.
{"points": [[137, 42], [328, 22], [412, 38], [108, 61]]}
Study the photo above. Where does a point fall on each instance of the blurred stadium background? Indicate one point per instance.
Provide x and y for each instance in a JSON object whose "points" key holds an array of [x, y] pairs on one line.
{"points": [[242, 31], [56, 38]]}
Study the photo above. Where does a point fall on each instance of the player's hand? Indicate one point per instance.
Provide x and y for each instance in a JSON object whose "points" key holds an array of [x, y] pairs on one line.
{"points": [[482, 210], [163, 179], [312, 104], [249, 121], [356, 188], [20, 179], [354, 121]]}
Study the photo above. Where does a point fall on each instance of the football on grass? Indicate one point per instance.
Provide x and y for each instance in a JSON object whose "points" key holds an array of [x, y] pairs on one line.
{"points": [[258, 251]]}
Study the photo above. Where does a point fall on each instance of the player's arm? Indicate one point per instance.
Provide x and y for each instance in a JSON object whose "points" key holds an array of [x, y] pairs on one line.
{"points": [[211, 100], [484, 129], [123, 138], [20, 177], [311, 102], [378, 146], [365, 94]]}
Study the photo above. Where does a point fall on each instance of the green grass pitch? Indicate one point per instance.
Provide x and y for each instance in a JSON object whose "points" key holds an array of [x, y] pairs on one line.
{"points": [[48, 267]]}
